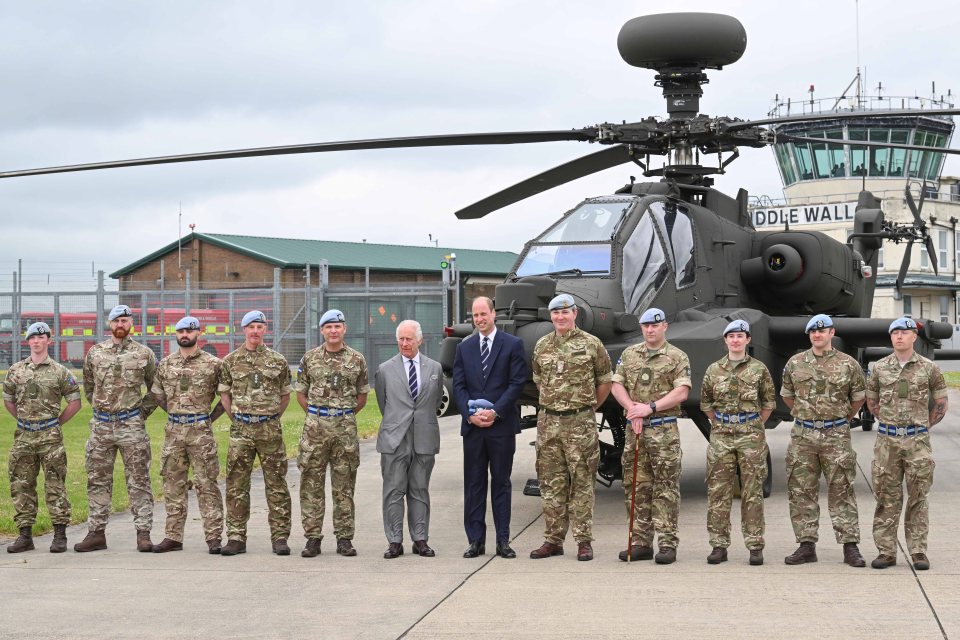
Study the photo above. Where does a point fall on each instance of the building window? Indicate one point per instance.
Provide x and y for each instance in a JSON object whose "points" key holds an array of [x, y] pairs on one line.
{"points": [[942, 239], [924, 258], [944, 309], [880, 258], [907, 305]]}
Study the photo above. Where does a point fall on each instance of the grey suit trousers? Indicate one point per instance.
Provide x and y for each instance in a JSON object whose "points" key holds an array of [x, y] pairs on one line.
{"points": [[406, 473]]}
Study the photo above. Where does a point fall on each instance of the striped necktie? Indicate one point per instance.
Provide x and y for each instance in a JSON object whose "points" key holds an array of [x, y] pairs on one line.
{"points": [[485, 355], [412, 379]]}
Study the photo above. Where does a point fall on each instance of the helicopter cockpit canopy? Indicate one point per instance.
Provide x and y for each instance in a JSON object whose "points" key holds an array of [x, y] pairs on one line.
{"points": [[662, 243], [579, 243]]}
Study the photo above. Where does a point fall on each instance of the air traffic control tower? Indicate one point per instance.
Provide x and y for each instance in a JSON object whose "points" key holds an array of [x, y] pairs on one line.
{"points": [[821, 182]]}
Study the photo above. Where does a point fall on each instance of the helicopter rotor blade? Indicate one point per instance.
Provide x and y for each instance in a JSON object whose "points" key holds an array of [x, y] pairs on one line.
{"points": [[583, 166], [904, 266], [512, 137], [911, 203], [928, 243], [782, 137], [842, 115]]}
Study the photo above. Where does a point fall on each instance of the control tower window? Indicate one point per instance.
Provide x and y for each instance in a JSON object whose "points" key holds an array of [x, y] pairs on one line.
{"points": [[801, 152], [645, 266], [677, 229], [858, 155], [878, 156], [786, 167], [898, 157]]}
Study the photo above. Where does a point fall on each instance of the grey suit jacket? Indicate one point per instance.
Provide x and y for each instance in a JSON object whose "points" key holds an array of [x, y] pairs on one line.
{"points": [[401, 412]]}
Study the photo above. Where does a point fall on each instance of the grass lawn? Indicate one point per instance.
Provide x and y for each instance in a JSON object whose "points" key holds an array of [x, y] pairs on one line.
{"points": [[75, 435], [953, 378]]}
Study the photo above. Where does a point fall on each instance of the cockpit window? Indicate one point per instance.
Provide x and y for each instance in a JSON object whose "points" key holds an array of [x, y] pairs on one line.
{"points": [[589, 221], [645, 266], [562, 259], [676, 227]]}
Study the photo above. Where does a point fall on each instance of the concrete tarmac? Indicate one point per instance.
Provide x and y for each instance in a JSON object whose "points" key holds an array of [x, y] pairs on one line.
{"points": [[119, 593]]}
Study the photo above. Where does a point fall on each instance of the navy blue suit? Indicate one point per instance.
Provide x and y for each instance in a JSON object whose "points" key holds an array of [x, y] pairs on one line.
{"points": [[489, 448]]}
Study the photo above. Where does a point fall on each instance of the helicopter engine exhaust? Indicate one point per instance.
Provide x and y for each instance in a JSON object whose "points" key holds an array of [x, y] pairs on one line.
{"points": [[804, 273]]}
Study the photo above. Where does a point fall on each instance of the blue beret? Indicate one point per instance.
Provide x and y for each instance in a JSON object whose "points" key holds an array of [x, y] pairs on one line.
{"points": [[333, 315], [120, 311], [562, 301], [38, 328], [188, 322], [653, 316], [903, 323], [819, 321], [253, 316], [737, 326]]}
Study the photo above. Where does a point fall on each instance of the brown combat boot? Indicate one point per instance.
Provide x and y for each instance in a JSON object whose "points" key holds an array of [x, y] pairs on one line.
{"points": [[920, 561], [638, 552], [167, 545], [883, 561], [851, 555], [345, 547], [546, 550], [59, 544], [24, 542], [144, 545], [213, 546], [312, 550], [756, 557], [94, 541], [718, 555], [666, 555], [584, 551], [234, 547], [280, 547], [806, 552]]}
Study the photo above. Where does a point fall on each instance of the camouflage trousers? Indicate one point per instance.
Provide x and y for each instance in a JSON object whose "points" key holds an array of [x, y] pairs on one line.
{"points": [[247, 441], [130, 438], [896, 459], [328, 441], [185, 446], [568, 452], [657, 503], [32, 451], [827, 451], [733, 446]]}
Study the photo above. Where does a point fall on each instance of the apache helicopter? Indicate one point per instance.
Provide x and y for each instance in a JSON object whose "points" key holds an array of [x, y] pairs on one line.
{"points": [[677, 243]]}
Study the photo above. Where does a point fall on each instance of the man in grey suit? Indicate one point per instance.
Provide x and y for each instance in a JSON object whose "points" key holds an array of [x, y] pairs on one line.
{"points": [[408, 388]]}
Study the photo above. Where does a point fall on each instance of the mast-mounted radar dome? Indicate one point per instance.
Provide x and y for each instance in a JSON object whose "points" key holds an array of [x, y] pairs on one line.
{"points": [[704, 40]]}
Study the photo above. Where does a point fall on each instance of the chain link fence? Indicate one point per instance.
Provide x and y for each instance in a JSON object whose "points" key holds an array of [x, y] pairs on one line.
{"points": [[78, 320]]}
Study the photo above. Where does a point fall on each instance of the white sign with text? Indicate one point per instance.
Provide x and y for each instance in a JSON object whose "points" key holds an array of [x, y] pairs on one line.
{"points": [[801, 215]]}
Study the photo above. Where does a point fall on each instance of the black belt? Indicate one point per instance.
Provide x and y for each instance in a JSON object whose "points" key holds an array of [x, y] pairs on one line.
{"points": [[901, 430], [820, 424], [249, 418], [187, 418], [103, 416], [571, 412], [37, 425]]}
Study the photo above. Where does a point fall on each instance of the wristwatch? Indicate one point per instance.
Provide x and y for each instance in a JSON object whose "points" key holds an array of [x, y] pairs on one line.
{"points": [[653, 407]]}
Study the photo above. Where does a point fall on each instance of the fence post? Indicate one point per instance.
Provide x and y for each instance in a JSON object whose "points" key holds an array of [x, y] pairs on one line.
{"points": [[307, 315], [276, 308], [231, 320], [16, 333], [57, 337], [101, 322], [186, 295]]}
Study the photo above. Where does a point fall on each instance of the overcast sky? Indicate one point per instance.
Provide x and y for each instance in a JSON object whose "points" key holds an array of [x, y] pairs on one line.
{"points": [[93, 81]]}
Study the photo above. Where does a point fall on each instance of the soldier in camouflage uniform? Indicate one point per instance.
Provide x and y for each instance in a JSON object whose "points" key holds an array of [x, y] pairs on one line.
{"points": [[115, 373], [899, 394], [255, 390], [651, 381], [33, 393], [824, 389], [572, 370], [185, 387], [737, 395], [332, 388]]}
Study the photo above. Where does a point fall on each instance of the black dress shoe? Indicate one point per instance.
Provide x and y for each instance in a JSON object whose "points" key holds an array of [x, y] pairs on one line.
{"points": [[475, 549], [395, 550], [421, 548], [504, 550]]}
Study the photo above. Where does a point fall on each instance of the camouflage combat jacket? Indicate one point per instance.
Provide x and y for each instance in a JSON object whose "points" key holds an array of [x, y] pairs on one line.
{"points": [[742, 386], [825, 387], [114, 376], [649, 375], [38, 389], [568, 369], [255, 380], [904, 392], [332, 379], [187, 385]]}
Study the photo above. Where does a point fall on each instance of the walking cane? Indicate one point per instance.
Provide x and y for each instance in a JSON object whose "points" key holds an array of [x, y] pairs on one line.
{"points": [[633, 493]]}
